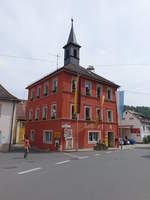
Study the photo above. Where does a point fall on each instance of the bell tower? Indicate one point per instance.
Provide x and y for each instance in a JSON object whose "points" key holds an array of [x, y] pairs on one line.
{"points": [[72, 49]]}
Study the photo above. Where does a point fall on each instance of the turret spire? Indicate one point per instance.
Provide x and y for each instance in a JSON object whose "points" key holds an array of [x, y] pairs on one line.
{"points": [[71, 48]]}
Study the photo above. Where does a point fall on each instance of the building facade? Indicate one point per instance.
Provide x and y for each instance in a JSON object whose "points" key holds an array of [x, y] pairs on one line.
{"points": [[134, 125], [19, 131], [7, 118], [50, 119]]}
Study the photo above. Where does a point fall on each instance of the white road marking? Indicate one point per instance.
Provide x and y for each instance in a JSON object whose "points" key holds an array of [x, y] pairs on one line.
{"points": [[108, 152], [62, 162], [30, 170], [82, 157], [97, 154]]}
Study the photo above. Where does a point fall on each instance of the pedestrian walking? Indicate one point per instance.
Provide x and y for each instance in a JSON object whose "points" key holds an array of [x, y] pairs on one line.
{"points": [[26, 147]]}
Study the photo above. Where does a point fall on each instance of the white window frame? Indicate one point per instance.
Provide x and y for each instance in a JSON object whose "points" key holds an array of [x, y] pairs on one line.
{"points": [[99, 136], [97, 86], [46, 92], [36, 113], [30, 115], [85, 113], [38, 93], [109, 89], [44, 137], [54, 104], [86, 82], [32, 135], [111, 116], [53, 85], [44, 118]]}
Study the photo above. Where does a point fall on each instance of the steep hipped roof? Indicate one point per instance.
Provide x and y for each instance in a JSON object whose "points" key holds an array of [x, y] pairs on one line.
{"points": [[87, 73], [78, 70], [5, 95]]}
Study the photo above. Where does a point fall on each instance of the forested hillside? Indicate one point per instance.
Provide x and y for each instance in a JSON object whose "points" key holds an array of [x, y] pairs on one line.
{"points": [[141, 109]]}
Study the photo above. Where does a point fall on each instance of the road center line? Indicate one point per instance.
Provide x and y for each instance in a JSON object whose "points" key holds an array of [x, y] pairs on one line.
{"points": [[62, 162], [30, 170]]}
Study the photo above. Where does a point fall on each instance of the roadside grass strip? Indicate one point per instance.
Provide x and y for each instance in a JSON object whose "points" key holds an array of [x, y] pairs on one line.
{"points": [[28, 171], [62, 162]]}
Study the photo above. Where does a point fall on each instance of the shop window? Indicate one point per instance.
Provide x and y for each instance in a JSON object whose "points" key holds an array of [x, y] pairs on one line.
{"points": [[93, 137]]}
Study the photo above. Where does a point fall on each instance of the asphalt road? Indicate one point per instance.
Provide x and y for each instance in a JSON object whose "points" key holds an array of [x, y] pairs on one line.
{"points": [[115, 175]]}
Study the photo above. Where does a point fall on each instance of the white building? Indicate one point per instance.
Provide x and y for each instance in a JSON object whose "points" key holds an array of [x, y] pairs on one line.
{"points": [[7, 118], [134, 125]]}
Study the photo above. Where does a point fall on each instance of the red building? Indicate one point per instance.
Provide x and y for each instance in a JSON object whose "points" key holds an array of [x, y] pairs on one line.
{"points": [[51, 122]]}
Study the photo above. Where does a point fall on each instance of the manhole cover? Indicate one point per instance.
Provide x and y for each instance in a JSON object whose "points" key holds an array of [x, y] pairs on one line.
{"points": [[10, 167]]}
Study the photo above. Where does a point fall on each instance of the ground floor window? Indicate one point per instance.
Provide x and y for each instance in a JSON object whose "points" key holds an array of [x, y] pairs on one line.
{"points": [[47, 136], [93, 136]]}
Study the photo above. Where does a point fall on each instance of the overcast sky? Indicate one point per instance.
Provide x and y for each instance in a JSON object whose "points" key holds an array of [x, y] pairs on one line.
{"points": [[114, 35]]}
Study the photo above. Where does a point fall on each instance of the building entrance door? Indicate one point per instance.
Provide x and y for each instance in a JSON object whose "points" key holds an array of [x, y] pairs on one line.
{"points": [[69, 143], [111, 139]]}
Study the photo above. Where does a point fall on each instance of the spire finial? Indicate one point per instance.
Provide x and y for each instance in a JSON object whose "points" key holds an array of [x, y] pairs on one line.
{"points": [[72, 21]]}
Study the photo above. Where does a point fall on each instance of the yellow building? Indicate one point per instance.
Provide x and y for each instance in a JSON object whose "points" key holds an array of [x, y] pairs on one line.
{"points": [[20, 122]]}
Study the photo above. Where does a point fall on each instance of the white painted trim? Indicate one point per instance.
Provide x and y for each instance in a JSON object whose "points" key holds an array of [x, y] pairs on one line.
{"points": [[90, 112], [109, 88], [87, 81], [49, 142], [112, 115]]}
